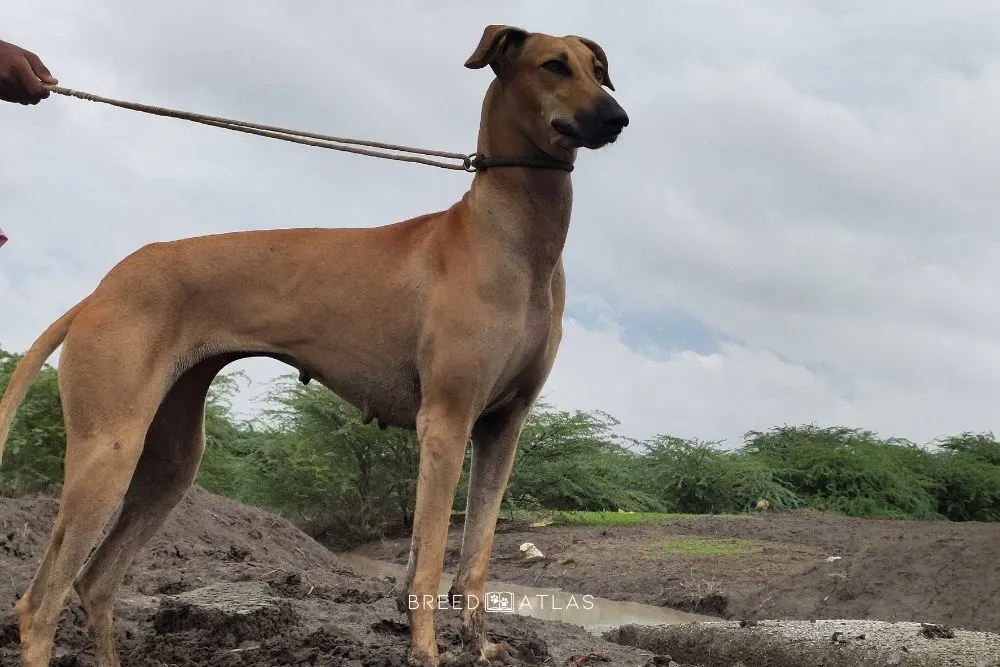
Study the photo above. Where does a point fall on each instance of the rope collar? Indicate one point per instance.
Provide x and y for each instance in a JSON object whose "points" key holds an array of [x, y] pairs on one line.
{"points": [[477, 162]]}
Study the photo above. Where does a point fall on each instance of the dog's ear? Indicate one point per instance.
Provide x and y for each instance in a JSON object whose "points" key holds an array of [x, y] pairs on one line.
{"points": [[601, 57], [494, 43]]}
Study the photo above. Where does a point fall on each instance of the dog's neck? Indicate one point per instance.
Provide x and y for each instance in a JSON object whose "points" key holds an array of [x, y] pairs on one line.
{"points": [[525, 209]]}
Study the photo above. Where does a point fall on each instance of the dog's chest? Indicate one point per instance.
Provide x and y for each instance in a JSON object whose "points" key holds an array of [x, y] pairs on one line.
{"points": [[528, 347], [527, 365]]}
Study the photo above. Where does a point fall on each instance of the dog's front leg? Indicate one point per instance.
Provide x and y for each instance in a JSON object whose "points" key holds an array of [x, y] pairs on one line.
{"points": [[443, 427], [494, 443]]}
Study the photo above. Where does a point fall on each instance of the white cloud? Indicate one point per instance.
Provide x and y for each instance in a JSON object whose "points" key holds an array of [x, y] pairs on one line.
{"points": [[806, 188], [717, 396]]}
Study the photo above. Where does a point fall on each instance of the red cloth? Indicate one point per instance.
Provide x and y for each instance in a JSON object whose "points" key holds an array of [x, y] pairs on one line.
{"points": [[3, 238]]}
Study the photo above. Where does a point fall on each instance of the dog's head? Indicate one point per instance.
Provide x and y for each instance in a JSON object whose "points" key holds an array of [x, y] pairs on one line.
{"points": [[557, 83]]}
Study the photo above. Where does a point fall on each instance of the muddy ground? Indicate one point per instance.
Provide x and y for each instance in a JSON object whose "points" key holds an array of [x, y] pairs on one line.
{"points": [[934, 572], [302, 605]]}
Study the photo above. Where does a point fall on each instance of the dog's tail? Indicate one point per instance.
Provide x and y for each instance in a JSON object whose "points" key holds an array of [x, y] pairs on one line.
{"points": [[29, 366]]}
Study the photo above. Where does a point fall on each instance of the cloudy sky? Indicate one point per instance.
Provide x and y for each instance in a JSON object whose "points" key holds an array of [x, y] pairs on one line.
{"points": [[798, 226]]}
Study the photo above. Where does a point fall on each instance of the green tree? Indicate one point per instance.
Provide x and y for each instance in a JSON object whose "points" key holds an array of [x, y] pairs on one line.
{"points": [[848, 470], [343, 478], [229, 445], [311, 459], [697, 477], [967, 469], [574, 461], [33, 456]]}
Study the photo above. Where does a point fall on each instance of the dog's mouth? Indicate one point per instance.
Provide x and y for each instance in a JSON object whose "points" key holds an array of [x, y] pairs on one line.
{"points": [[582, 140]]}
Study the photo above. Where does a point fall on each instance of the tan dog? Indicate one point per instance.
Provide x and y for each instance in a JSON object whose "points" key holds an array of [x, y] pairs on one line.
{"points": [[447, 323]]}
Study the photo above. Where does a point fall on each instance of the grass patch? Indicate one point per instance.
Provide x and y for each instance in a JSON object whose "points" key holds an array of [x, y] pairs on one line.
{"points": [[682, 545], [621, 518]]}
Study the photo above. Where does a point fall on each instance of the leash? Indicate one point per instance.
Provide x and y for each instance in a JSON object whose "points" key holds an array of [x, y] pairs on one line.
{"points": [[472, 162]]}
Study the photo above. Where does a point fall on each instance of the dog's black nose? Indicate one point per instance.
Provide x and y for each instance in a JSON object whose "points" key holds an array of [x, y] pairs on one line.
{"points": [[613, 117]]}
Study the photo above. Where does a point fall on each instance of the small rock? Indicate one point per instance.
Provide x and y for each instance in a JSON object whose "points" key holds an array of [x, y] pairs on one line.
{"points": [[660, 661], [530, 551], [933, 631]]}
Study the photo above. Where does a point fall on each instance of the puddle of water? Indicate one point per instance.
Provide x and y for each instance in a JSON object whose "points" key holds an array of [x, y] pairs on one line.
{"points": [[551, 604]]}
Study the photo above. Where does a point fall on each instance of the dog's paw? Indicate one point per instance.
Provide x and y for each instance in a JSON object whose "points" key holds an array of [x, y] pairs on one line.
{"points": [[423, 660], [495, 653], [403, 601]]}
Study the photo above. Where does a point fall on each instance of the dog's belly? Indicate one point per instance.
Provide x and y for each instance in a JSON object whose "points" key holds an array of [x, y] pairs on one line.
{"points": [[386, 392], [386, 387]]}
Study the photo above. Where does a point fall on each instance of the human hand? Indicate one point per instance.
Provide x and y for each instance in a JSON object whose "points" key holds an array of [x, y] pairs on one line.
{"points": [[22, 75]]}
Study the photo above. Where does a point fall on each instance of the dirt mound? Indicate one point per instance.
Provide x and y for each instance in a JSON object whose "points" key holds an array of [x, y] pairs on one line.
{"points": [[207, 538], [233, 586], [232, 613]]}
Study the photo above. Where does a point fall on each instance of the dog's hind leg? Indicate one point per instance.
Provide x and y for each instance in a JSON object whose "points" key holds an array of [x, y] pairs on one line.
{"points": [[174, 446], [494, 443], [110, 392]]}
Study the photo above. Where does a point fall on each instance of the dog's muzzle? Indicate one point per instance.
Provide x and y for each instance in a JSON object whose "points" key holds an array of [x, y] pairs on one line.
{"points": [[595, 128]]}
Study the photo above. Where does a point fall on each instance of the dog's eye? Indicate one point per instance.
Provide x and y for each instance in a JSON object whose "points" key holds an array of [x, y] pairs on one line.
{"points": [[557, 66], [599, 73]]}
